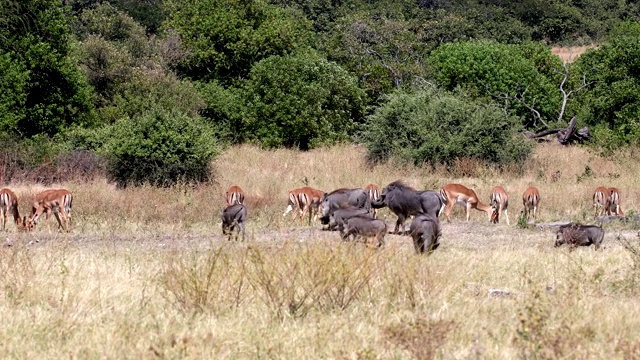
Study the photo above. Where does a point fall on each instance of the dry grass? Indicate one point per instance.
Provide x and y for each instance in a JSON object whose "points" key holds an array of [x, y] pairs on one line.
{"points": [[146, 272], [571, 53]]}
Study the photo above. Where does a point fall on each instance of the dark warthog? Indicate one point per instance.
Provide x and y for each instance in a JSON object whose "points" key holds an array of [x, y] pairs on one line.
{"points": [[338, 219], [580, 235], [426, 232], [342, 199], [365, 227], [405, 201], [233, 218]]}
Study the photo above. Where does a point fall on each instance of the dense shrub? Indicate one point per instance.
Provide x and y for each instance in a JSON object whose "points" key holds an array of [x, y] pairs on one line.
{"points": [[433, 128], [301, 101], [489, 70], [612, 105], [160, 148]]}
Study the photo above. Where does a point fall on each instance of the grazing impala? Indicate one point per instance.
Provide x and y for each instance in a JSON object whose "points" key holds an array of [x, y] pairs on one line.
{"points": [[530, 200], [305, 200], [374, 194], [614, 202], [601, 199], [499, 203], [235, 195], [9, 204], [456, 193], [57, 200]]}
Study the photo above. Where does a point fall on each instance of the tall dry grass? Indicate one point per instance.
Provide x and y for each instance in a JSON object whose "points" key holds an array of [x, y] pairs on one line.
{"points": [[146, 273]]}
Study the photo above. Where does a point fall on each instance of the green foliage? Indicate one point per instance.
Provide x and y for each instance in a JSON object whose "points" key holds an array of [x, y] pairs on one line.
{"points": [[226, 37], [160, 148], [225, 111], [612, 106], [385, 52], [13, 81], [301, 101], [428, 127], [57, 93], [491, 70]]}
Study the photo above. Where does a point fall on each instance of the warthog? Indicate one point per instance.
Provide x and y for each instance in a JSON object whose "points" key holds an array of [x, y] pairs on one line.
{"points": [[426, 232], [405, 201], [233, 218], [579, 235], [342, 199], [338, 219], [365, 227]]}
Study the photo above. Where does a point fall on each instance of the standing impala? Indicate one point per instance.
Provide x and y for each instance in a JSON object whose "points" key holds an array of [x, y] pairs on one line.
{"points": [[499, 203], [235, 195], [530, 200], [456, 193], [601, 199], [304, 199], [614, 202], [374, 194], [57, 200], [9, 204]]}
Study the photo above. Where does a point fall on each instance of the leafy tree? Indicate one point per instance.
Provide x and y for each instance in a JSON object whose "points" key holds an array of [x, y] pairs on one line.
{"points": [[160, 148], [37, 35], [428, 127], [13, 81], [503, 72], [613, 104], [301, 101], [226, 37], [129, 69], [385, 53]]}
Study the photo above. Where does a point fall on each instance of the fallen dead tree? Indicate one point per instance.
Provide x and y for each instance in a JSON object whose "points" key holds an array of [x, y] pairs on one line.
{"points": [[565, 136]]}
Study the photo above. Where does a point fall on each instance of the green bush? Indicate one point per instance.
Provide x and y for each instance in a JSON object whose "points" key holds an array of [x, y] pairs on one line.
{"points": [[160, 148], [434, 128], [490, 71], [301, 101]]}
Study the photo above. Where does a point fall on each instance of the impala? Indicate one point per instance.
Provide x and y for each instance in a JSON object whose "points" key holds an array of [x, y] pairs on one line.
{"points": [[500, 203], [456, 193], [614, 202], [235, 195], [57, 200], [304, 200], [9, 204], [530, 200], [601, 199], [374, 194]]}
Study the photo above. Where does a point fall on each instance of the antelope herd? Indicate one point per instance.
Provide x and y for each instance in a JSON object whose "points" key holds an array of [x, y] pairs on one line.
{"points": [[353, 211]]}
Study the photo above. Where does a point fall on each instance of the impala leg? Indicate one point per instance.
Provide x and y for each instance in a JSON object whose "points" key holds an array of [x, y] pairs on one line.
{"points": [[468, 210], [507, 216], [447, 211]]}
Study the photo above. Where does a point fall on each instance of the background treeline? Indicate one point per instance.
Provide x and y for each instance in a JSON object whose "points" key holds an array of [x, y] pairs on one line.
{"points": [[149, 91]]}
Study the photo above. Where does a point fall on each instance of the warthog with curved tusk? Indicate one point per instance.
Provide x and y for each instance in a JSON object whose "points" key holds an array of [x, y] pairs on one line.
{"points": [[404, 201], [342, 199], [365, 227], [426, 233], [234, 218], [575, 234]]}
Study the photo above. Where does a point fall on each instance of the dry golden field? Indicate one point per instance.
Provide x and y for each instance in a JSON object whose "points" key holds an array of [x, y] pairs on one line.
{"points": [[146, 273]]}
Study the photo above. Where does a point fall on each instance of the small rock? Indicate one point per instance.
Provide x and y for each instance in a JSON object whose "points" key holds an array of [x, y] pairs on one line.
{"points": [[499, 292]]}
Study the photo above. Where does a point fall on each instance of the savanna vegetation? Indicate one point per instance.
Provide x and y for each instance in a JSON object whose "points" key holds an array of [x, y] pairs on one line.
{"points": [[79, 77], [147, 110], [146, 272]]}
